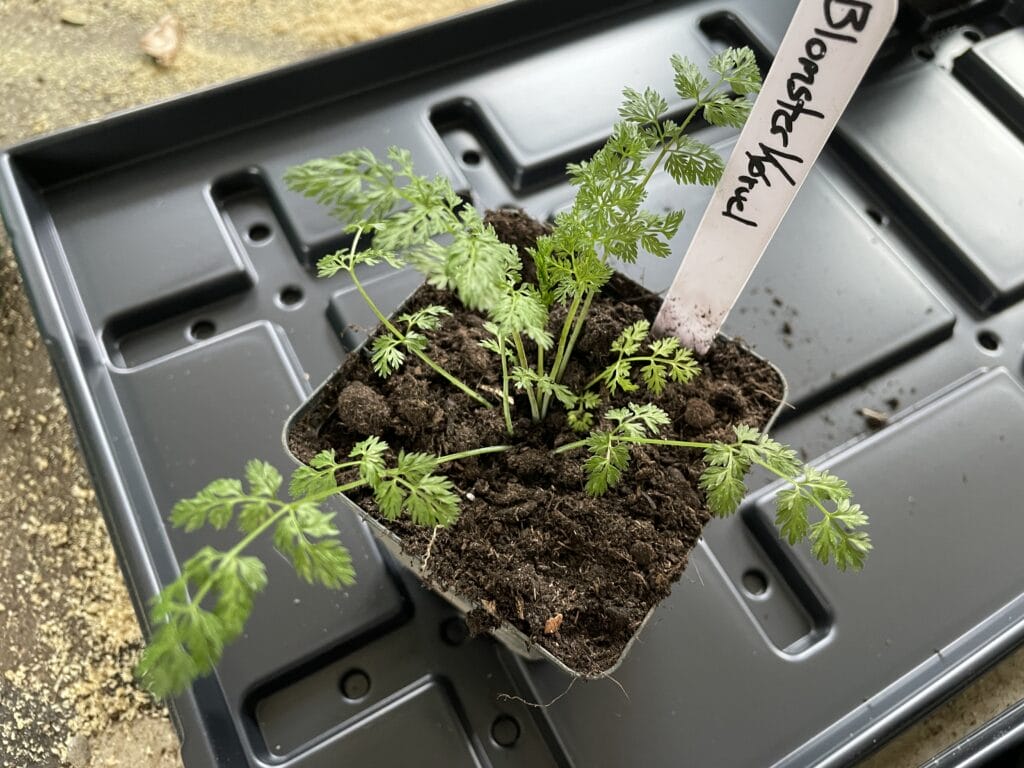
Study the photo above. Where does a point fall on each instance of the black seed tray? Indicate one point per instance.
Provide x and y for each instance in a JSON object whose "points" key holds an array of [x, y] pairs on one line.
{"points": [[171, 276]]}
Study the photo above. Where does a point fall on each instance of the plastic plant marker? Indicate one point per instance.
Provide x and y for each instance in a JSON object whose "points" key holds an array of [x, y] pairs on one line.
{"points": [[822, 59]]}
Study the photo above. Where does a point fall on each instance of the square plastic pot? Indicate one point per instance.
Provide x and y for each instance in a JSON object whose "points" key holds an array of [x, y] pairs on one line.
{"points": [[506, 633]]}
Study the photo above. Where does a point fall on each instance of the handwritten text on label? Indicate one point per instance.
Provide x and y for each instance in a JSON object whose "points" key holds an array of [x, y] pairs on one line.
{"points": [[841, 20]]}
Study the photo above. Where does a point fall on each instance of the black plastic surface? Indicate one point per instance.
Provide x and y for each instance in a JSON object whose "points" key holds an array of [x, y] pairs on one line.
{"points": [[994, 71], [171, 275]]}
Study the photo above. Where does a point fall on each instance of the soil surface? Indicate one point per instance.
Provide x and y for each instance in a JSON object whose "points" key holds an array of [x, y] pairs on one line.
{"points": [[529, 545]]}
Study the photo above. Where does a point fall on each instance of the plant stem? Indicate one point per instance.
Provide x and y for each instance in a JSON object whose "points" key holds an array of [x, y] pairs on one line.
{"points": [[563, 338], [540, 372], [419, 353], [474, 452], [530, 393], [577, 328], [505, 406]]}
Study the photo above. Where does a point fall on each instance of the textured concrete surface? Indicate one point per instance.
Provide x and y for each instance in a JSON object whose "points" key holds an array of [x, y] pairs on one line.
{"points": [[68, 637]]}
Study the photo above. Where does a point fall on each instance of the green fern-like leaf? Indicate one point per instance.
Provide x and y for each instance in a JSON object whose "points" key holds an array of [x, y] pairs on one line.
{"points": [[263, 478], [387, 354], [722, 480], [316, 478], [644, 108], [520, 310], [411, 488], [738, 67], [369, 454], [609, 458], [632, 338], [305, 537], [691, 161], [728, 112], [214, 504], [425, 319], [690, 83]]}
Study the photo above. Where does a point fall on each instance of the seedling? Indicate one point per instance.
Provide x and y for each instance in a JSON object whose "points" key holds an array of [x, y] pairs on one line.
{"points": [[414, 221]]}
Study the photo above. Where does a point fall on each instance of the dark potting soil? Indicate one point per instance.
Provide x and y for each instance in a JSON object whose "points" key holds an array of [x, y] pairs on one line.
{"points": [[530, 545]]}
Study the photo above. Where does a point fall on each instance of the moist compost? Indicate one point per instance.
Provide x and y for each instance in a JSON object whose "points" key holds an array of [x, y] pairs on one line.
{"points": [[530, 545]]}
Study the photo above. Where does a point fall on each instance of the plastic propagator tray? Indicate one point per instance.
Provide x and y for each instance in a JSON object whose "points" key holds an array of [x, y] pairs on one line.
{"points": [[171, 274]]}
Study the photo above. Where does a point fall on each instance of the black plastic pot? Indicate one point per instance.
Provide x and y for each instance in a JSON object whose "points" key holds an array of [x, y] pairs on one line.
{"points": [[509, 635]]}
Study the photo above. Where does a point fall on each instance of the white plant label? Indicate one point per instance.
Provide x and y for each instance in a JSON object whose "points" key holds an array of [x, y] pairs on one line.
{"points": [[822, 59]]}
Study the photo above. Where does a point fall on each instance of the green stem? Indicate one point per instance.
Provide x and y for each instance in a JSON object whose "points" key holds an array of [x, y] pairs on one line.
{"points": [[505, 406], [530, 393], [386, 322], [570, 447], [661, 155], [447, 458], [324, 495], [563, 339], [540, 372], [236, 550], [577, 328]]}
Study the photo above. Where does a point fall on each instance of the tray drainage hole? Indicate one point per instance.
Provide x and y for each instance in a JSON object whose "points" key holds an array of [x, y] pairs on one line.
{"points": [[202, 329], [355, 685], [988, 340], [505, 731], [259, 233], [454, 631], [878, 217], [290, 296], [471, 158], [755, 583]]}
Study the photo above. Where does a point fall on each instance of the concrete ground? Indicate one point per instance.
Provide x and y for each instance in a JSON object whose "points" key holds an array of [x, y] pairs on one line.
{"points": [[68, 637]]}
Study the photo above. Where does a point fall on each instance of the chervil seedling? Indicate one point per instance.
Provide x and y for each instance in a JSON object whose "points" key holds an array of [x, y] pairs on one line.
{"points": [[419, 222]]}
